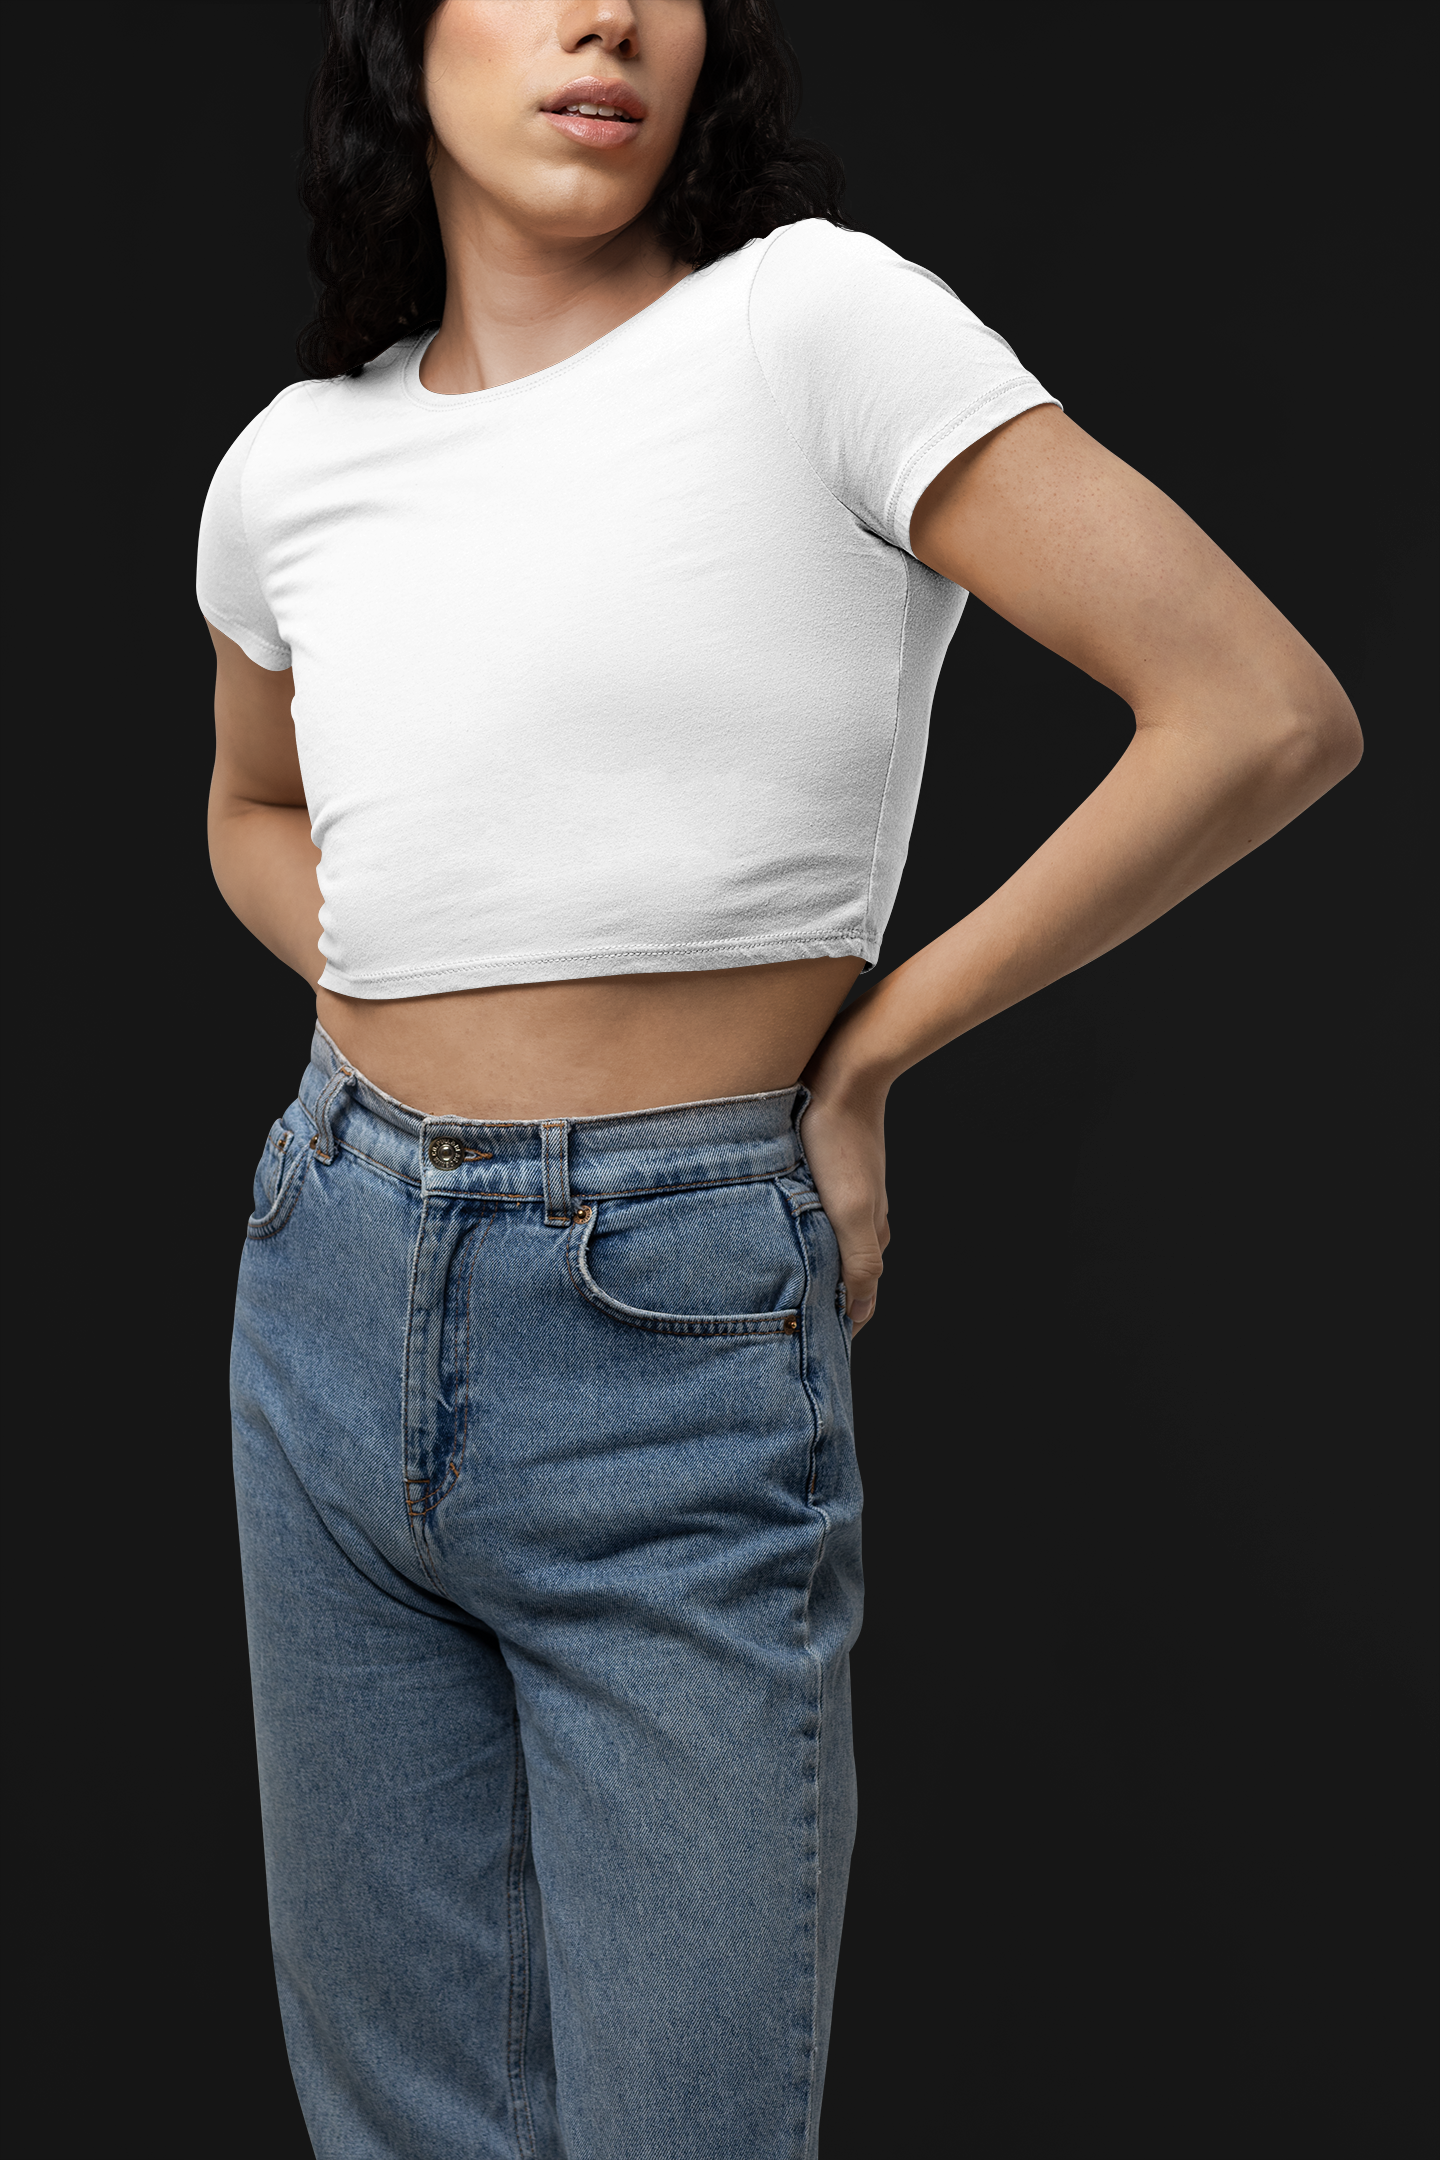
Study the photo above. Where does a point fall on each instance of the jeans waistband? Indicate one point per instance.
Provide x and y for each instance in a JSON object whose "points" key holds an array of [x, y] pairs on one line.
{"points": [[728, 1140]]}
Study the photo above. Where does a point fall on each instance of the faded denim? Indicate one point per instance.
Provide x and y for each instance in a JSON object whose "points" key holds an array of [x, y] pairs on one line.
{"points": [[550, 1523]]}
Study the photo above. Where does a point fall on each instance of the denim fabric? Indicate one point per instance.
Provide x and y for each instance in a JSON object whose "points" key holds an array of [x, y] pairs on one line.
{"points": [[550, 1523]]}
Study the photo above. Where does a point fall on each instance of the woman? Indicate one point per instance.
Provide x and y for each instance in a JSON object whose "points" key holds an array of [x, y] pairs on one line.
{"points": [[585, 604]]}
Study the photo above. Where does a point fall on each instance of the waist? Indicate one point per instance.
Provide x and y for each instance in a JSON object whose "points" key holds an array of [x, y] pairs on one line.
{"points": [[674, 1147], [595, 1047]]}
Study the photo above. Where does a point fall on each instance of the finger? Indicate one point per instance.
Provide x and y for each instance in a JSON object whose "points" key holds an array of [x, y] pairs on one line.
{"points": [[862, 1271]]}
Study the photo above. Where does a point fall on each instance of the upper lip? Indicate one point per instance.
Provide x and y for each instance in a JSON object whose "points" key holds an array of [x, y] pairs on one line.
{"points": [[588, 90]]}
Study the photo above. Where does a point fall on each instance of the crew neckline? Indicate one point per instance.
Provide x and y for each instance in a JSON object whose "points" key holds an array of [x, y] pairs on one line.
{"points": [[459, 400]]}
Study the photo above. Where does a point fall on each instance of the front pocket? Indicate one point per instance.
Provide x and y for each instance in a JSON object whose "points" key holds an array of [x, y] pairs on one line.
{"points": [[724, 1261], [278, 1181]]}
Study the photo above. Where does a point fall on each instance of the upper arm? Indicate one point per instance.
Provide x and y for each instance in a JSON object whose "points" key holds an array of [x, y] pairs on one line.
{"points": [[255, 755], [1082, 553]]}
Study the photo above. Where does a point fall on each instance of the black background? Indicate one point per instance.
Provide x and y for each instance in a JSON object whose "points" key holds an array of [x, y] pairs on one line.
{"points": [[1145, 1695]]}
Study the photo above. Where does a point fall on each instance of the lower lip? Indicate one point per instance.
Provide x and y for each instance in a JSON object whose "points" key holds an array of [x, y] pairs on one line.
{"points": [[599, 134]]}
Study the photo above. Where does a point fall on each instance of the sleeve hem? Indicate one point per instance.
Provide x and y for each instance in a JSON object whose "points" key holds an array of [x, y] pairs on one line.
{"points": [[1007, 402], [273, 658]]}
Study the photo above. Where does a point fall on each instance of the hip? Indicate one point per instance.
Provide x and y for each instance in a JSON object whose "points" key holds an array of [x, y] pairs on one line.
{"points": [[507, 1344]]}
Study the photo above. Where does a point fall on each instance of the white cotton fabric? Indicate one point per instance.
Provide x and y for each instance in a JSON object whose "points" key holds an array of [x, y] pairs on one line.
{"points": [[623, 667]]}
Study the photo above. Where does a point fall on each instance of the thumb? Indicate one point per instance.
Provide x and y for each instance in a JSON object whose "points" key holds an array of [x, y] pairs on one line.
{"points": [[861, 1267]]}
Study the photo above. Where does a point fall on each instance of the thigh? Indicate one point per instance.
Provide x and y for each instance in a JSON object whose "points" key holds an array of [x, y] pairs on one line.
{"points": [[409, 1945], [662, 1525]]}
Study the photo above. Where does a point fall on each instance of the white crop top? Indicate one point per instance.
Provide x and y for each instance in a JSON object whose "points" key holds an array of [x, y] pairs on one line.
{"points": [[623, 667]]}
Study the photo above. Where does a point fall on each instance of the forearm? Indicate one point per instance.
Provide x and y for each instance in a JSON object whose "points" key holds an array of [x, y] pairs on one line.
{"points": [[265, 866], [1179, 807]]}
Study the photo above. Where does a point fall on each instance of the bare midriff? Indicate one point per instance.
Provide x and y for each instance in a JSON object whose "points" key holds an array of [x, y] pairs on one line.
{"points": [[584, 1049]]}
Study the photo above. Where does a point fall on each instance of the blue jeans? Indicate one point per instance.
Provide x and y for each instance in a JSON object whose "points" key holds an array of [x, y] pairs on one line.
{"points": [[550, 1521]]}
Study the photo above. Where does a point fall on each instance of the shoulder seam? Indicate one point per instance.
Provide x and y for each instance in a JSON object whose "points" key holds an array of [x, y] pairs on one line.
{"points": [[797, 445], [265, 418]]}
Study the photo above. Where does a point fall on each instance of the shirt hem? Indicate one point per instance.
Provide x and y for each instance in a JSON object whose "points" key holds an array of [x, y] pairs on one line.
{"points": [[695, 958]]}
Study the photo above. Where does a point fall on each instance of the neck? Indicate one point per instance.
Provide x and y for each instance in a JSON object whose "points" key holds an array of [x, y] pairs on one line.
{"points": [[518, 300]]}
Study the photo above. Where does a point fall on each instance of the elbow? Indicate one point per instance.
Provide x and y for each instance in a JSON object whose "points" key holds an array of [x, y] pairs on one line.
{"points": [[1341, 744], [1317, 743]]}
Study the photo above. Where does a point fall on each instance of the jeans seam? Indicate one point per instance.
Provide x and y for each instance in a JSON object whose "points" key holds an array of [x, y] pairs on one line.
{"points": [[517, 2029], [439, 1488], [810, 1652], [635, 1192], [419, 1540], [417, 1530], [817, 1422], [650, 1192], [817, 1428], [714, 1327], [580, 1194], [328, 1140], [475, 1244]]}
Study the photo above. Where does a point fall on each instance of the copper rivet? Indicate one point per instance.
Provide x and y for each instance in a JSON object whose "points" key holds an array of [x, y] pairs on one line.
{"points": [[314, 1143], [582, 1214], [791, 1327]]}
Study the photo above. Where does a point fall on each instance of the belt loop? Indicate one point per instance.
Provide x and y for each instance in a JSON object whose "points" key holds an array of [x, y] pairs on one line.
{"points": [[555, 1167], [324, 1142]]}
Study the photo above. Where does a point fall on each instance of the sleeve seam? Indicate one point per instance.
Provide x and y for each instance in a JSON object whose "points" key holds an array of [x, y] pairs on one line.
{"points": [[886, 529], [241, 632], [796, 444], [952, 426], [266, 418]]}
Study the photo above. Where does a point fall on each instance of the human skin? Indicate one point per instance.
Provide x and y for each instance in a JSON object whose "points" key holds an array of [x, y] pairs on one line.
{"points": [[1239, 726]]}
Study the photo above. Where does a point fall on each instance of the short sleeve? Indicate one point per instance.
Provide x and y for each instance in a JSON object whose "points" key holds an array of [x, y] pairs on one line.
{"points": [[225, 582], [881, 375]]}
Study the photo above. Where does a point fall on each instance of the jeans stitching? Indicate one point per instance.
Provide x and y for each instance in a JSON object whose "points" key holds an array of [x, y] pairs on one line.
{"points": [[273, 1164], [808, 1207], [650, 1192], [740, 1325], [474, 1242], [274, 1220], [817, 1422], [422, 1549], [555, 1173], [519, 1940], [330, 1096], [449, 1478], [417, 1529], [810, 1652], [636, 1192]]}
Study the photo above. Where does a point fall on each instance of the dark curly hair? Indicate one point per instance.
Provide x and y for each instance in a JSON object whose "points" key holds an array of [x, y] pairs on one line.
{"points": [[375, 249]]}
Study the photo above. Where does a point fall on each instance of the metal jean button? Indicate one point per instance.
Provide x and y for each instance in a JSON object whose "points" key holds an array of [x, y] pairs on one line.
{"points": [[446, 1153]]}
